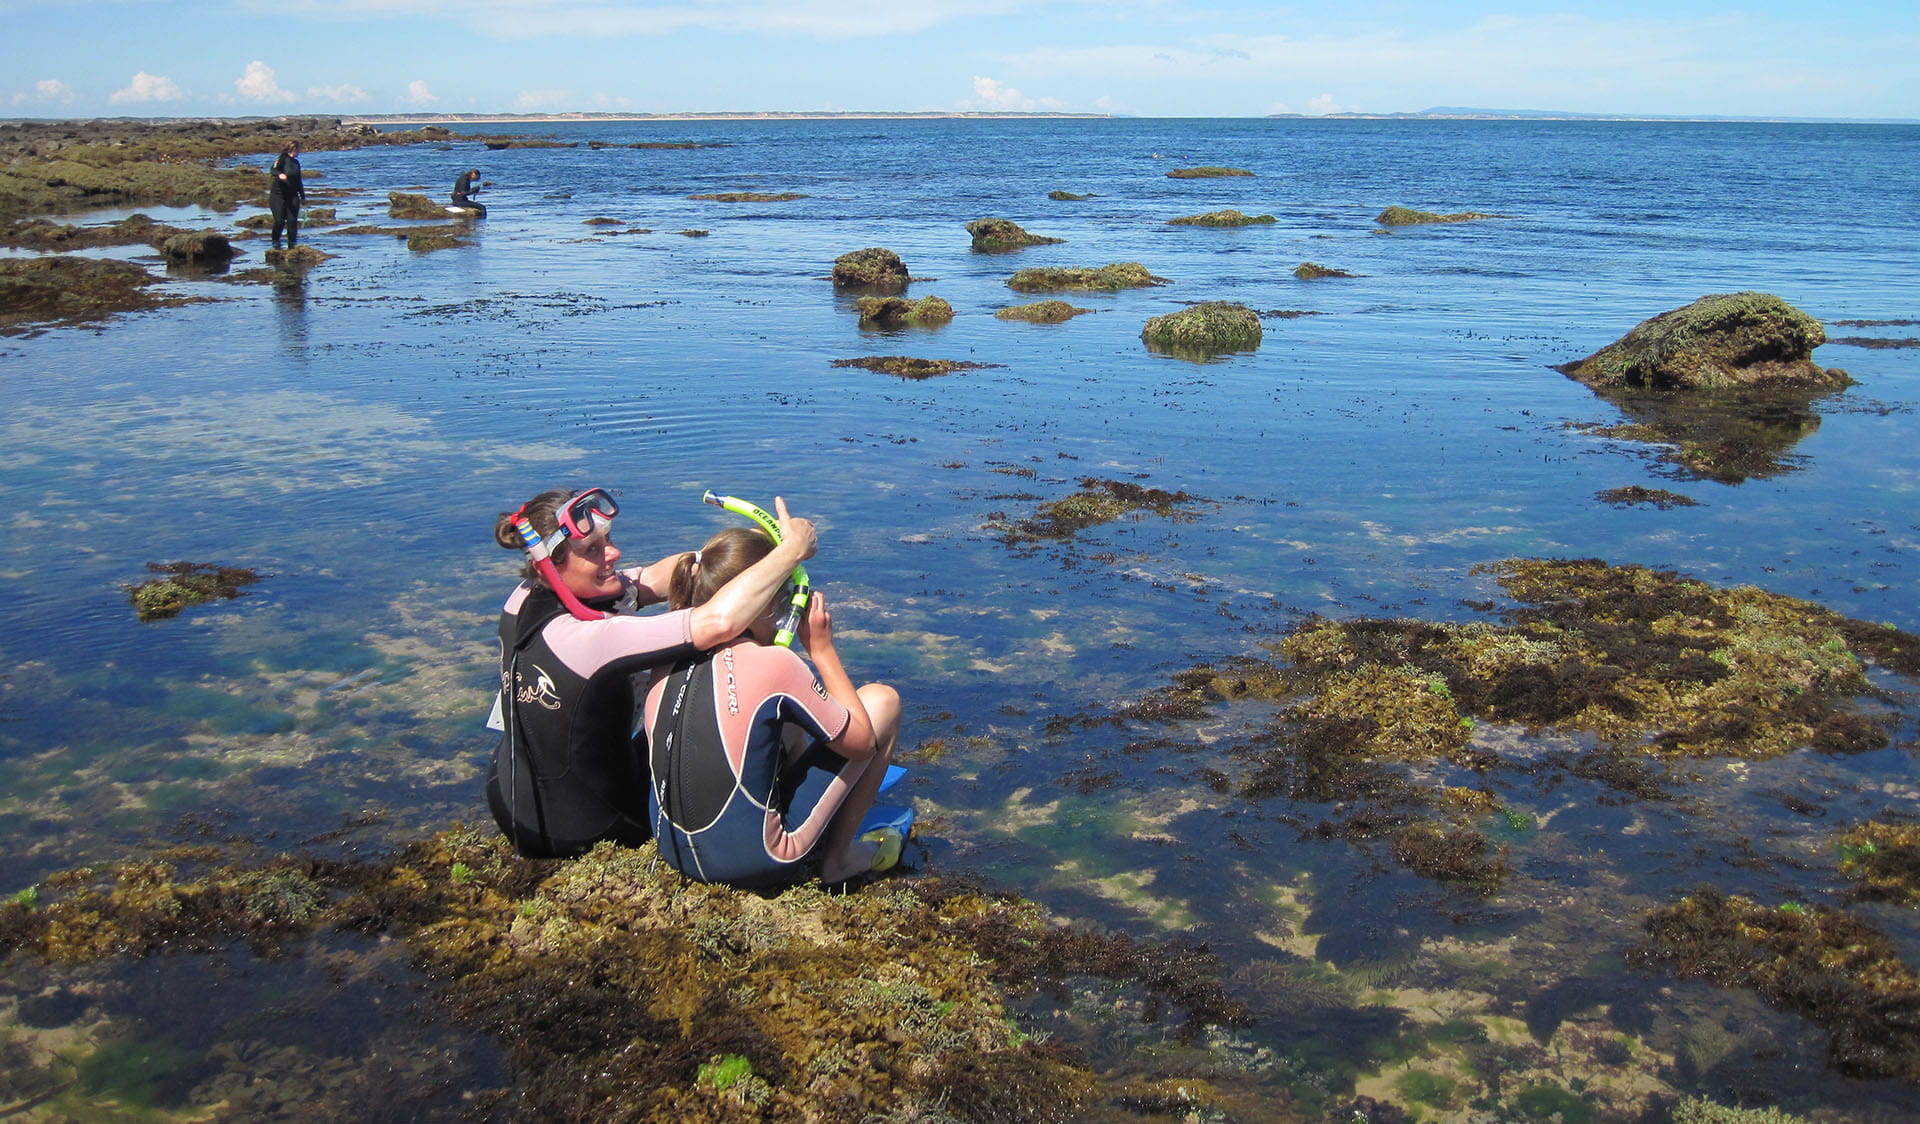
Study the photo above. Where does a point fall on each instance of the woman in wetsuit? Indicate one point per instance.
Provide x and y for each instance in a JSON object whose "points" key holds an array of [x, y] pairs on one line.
{"points": [[570, 769], [286, 194], [758, 763], [464, 190]]}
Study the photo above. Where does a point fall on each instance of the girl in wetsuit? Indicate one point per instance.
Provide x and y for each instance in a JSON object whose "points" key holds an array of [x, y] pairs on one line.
{"points": [[570, 769], [757, 762], [286, 194]]}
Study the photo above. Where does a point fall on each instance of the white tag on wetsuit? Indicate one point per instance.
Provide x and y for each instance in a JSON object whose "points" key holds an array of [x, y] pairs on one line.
{"points": [[496, 721]]}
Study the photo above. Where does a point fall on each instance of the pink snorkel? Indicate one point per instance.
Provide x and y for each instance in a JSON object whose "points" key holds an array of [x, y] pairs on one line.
{"points": [[543, 562]]}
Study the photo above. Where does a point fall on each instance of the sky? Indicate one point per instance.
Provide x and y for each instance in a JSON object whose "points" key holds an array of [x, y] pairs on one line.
{"points": [[1151, 58]]}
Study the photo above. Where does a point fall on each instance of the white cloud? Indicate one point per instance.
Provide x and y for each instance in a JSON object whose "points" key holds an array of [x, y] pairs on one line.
{"points": [[345, 92], [418, 94], [538, 19], [1325, 103], [259, 84], [52, 89], [539, 101], [990, 95], [148, 87]]}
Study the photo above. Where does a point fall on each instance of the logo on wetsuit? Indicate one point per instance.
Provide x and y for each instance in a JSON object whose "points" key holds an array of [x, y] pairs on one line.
{"points": [[540, 691], [733, 684]]}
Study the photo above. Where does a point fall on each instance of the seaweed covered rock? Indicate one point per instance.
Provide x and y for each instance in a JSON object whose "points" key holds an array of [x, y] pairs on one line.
{"points": [[296, 257], [1206, 329], [1222, 218], [1721, 341], [184, 584], [874, 267], [992, 236], [888, 311], [1067, 196], [403, 205], [202, 247], [1041, 312], [436, 238], [1107, 278], [1205, 172], [63, 290], [1308, 271], [1098, 501], [1407, 216], [749, 197], [52, 237]]}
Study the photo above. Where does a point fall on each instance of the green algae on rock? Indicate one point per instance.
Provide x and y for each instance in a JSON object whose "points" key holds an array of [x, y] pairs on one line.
{"points": [[908, 367], [1107, 278], [1308, 271], [886, 311], [1210, 171], [1818, 962], [1210, 328], [624, 991], [1721, 341], [186, 583], [1883, 860], [1041, 312], [994, 236], [57, 291], [201, 247], [874, 267], [1222, 218], [296, 257], [1067, 196], [1407, 216]]}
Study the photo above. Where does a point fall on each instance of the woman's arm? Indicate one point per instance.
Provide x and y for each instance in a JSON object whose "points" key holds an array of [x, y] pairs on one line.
{"points": [[655, 578], [741, 601]]}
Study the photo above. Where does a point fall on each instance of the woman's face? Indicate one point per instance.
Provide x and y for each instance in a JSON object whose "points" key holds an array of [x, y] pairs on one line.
{"points": [[588, 568]]}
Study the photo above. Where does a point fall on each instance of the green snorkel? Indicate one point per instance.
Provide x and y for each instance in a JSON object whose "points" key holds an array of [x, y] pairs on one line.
{"points": [[783, 636]]}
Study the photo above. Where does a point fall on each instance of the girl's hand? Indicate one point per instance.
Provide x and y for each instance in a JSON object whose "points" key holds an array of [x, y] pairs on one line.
{"points": [[794, 529], [816, 632]]}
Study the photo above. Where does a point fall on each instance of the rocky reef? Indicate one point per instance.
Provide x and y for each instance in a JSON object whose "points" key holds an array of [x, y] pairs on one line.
{"points": [[37, 293], [1209, 171], [749, 197], [997, 236], [406, 205], [1107, 278], [1407, 216], [1222, 218], [873, 268], [1067, 196], [1308, 271], [1210, 328], [1723, 341], [622, 991], [1096, 502]]}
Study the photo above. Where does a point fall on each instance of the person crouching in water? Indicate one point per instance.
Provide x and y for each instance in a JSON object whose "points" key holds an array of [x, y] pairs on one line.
{"points": [[758, 762]]}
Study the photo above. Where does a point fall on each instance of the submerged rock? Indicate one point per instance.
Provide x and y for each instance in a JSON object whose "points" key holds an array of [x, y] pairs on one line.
{"points": [[1721, 341], [1107, 278], [1204, 329], [908, 367], [1308, 271], [436, 238], [874, 267], [186, 583], [296, 256], [1067, 196], [926, 311], [1206, 172], [748, 197], [999, 235], [1222, 218], [1041, 312], [1407, 216], [1097, 502]]}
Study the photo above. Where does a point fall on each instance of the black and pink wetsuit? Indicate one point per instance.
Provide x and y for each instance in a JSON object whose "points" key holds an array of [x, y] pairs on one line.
{"points": [[571, 769], [744, 782]]}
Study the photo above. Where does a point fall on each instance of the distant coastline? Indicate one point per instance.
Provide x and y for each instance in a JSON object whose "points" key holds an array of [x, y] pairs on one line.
{"points": [[821, 115]]}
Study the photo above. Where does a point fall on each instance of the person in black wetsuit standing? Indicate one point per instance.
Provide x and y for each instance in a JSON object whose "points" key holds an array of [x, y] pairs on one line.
{"points": [[286, 194], [465, 188]]}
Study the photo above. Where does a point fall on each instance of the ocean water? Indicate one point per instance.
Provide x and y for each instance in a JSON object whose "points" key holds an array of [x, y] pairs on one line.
{"points": [[351, 435]]}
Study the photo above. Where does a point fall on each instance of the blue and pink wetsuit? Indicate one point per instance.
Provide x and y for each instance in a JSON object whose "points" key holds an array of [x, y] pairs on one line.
{"points": [[744, 782]]}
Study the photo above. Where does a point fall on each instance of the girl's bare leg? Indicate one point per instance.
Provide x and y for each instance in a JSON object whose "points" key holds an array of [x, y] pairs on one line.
{"points": [[846, 854]]}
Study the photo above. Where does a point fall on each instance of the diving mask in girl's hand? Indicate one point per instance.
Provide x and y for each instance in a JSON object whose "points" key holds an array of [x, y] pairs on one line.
{"points": [[585, 515]]}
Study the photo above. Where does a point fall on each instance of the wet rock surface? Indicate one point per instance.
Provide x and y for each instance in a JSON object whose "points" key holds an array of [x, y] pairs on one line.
{"points": [[994, 236], [875, 268], [1223, 218], [1723, 341], [37, 293], [1407, 216], [1106, 278], [1210, 328]]}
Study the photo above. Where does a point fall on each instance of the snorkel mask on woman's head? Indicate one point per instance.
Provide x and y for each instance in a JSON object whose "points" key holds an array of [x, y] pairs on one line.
{"points": [[588, 514]]}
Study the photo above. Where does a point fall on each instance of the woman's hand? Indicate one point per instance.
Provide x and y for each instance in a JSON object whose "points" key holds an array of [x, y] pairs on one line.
{"points": [[795, 530]]}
